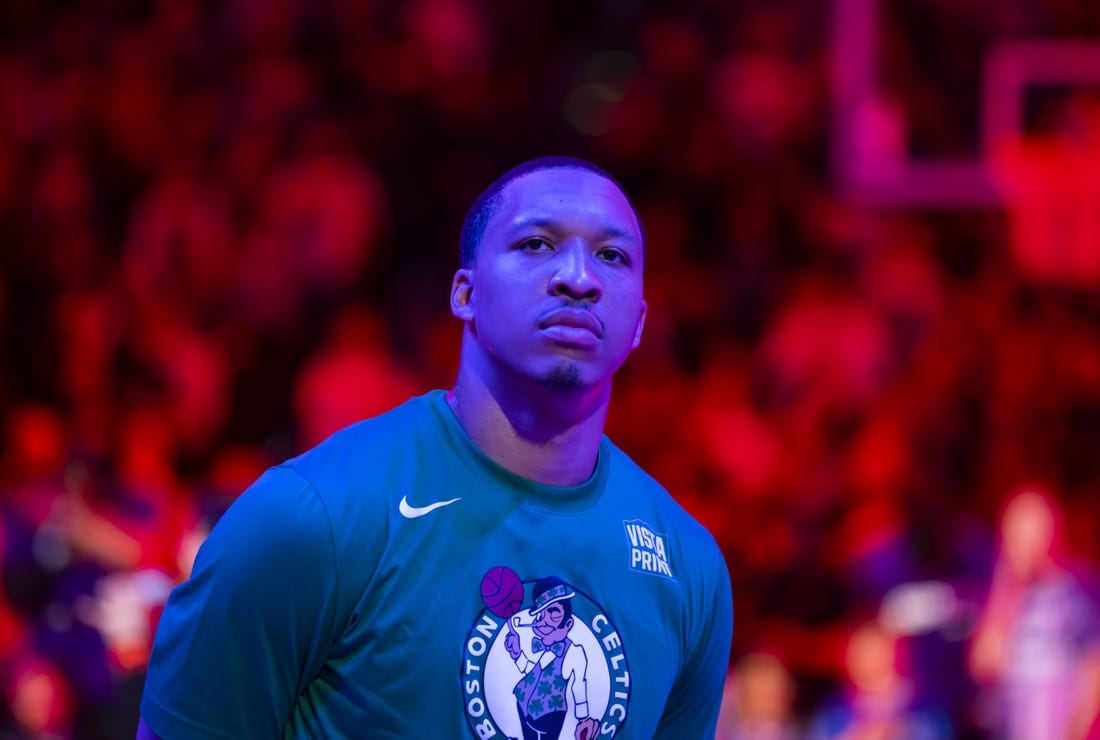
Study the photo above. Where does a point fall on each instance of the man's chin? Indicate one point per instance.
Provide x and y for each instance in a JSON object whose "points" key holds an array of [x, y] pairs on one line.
{"points": [[564, 377]]}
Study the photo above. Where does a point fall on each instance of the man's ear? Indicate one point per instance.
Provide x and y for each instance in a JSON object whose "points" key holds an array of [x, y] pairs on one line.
{"points": [[641, 325], [462, 288]]}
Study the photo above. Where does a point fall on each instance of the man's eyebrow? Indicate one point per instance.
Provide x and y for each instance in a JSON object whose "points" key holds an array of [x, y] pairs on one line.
{"points": [[540, 222], [618, 233]]}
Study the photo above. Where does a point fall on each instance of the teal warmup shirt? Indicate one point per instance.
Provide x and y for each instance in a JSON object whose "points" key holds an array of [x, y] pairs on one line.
{"points": [[394, 582]]}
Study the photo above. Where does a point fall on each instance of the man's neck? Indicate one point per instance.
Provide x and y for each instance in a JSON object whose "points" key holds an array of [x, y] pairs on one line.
{"points": [[547, 435]]}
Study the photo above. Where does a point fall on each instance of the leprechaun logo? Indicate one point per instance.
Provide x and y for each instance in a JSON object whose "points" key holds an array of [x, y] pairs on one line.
{"points": [[543, 661]]}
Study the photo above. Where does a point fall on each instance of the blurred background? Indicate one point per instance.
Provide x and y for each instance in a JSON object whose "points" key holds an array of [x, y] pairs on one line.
{"points": [[871, 365]]}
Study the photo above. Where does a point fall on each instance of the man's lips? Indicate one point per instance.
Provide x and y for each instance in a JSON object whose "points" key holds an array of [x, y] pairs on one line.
{"points": [[573, 318]]}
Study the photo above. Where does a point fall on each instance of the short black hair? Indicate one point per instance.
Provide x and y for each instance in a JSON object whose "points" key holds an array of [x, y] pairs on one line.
{"points": [[477, 218]]}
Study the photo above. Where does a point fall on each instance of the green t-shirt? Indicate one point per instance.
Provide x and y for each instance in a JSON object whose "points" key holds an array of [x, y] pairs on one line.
{"points": [[369, 588]]}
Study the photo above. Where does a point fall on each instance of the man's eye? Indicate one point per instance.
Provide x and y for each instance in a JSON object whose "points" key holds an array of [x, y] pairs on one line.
{"points": [[614, 256], [534, 245]]}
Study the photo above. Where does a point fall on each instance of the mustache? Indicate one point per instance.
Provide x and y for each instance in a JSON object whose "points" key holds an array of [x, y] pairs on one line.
{"points": [[575, 314]]}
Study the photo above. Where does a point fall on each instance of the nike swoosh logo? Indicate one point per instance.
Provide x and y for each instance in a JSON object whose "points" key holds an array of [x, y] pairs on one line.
{"points": [[412, 512]]}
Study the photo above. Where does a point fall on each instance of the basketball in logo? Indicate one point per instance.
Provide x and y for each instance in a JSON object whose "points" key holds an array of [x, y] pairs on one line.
{"points": [[502, 591]]}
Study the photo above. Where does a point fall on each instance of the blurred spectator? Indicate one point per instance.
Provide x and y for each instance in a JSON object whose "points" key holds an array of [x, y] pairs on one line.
{"points": [[1037, 643], [315, 231], [879, 702], [758, 703], [1052, 191], [38, 700], [352, 376], [181, 251]]}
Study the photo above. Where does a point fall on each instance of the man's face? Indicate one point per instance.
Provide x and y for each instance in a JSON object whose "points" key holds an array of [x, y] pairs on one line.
{"points": [[555, 292], [551, 625]]}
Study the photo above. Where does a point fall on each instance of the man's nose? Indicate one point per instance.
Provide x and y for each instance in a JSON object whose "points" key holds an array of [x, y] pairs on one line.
{"points": [[575, 274]]}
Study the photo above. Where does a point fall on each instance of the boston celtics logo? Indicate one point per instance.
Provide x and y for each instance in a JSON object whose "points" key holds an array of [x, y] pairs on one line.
{"points": [[555, 670]]}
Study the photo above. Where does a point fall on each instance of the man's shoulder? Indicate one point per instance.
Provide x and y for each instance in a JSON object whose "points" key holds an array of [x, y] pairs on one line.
{"points": [[367, 441], [348, 469], [403, 418], [660, 500], [624, 466]]}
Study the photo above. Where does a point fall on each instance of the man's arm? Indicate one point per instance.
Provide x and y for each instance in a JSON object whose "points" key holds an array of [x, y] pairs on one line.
{"points": [[143, 731], [576, 665], [693, 704], [243, 637]]}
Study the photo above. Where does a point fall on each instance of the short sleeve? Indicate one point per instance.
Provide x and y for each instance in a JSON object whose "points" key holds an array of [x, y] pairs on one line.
{"points": [[242, 638], [693, 704]]}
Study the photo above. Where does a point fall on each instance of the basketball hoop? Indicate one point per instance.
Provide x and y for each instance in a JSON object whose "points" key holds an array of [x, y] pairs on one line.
{"points": [[1051, 188]]}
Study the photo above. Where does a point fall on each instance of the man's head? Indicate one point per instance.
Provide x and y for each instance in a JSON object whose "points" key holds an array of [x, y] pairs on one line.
{"points": [[473, 227], [551, 284], [553, 610]]}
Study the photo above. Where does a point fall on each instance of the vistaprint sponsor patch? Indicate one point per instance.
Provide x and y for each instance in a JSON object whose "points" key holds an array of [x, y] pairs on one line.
{"points": [[648, 549]]}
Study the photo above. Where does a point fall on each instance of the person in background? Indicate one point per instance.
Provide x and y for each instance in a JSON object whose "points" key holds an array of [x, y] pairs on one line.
{"points": [[1036, 647], [880, 701], [759, 701]]}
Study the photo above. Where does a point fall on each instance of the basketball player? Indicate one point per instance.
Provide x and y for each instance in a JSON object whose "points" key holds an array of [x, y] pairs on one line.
{"points": [[380, 584]]}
